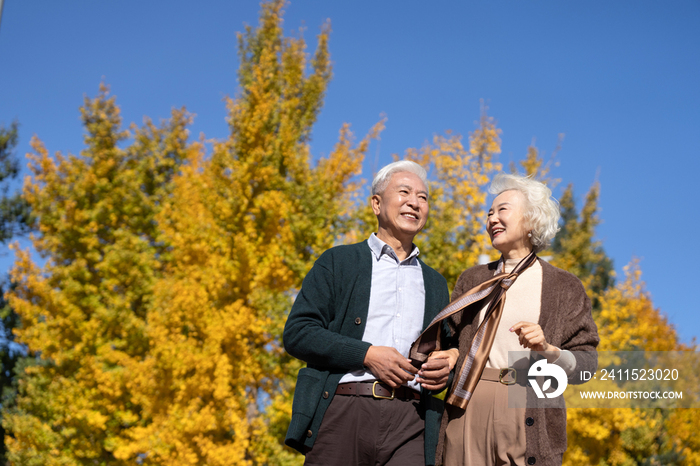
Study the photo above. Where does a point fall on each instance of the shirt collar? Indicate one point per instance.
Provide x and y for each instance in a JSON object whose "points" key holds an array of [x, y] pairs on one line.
{"points": [[379, 248]]}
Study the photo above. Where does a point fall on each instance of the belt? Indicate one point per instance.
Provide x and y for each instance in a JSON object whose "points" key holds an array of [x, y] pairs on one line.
{"points": [[506, 376], [377, 390]]}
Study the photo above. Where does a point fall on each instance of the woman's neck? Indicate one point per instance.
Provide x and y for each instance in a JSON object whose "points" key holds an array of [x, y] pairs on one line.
{"points": [[518, 253]]}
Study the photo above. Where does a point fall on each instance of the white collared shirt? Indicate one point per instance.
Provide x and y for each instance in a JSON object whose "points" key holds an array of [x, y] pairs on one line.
{"points": [[396, 304]]}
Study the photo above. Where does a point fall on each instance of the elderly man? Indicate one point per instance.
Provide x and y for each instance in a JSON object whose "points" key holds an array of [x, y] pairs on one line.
{"points": [[360, 400]]}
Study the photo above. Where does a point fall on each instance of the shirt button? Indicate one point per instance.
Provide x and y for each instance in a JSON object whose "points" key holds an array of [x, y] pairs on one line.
{"points": [[358, 321], [529, 421], [530, 460], [309, 434], [325, 395]]}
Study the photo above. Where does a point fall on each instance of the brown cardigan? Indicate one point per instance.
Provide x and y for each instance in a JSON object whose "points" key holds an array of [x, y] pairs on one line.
{"points": [[565, 318]]}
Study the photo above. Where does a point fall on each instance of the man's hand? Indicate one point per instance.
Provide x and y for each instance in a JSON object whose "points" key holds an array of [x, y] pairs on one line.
{"points": [[434, 372], [389, 366]]}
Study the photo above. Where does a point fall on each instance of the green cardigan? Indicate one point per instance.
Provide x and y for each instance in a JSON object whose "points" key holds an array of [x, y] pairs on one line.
{"points": [[325, 329]]}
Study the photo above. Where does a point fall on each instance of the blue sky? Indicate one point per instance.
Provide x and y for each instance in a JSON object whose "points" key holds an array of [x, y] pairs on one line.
{"points": [[618, 79]]}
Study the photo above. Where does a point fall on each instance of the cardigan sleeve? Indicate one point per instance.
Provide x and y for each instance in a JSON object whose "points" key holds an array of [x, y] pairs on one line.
{"points": [[576, 332], [307, 333]]}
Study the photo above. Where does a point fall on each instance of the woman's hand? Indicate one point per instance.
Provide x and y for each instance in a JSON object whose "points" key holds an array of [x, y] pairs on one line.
{"points": [[434, 373], [451, 355], [531, 336]]}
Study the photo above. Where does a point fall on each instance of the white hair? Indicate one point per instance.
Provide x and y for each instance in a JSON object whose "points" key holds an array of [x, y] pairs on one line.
{"points": [[541, 209], [381, 179]]}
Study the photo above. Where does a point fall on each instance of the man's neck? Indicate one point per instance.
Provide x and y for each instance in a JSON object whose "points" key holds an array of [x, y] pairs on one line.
{"points": [[402, 248]]}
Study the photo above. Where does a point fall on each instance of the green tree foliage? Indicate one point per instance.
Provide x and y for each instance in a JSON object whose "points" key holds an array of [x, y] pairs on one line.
{"points": [[11, 356], [575, 248], [14, 211], [14, 220]]}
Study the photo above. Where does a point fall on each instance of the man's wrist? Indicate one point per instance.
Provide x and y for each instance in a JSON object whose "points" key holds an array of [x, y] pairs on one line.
{"points": [[364, 361]]}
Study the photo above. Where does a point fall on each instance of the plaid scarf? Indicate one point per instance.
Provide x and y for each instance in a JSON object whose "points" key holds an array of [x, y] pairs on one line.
{"points": [[493, 292]]}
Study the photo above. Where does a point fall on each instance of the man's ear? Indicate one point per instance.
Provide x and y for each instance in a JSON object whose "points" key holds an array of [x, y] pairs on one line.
{"points": [[375, 202]]}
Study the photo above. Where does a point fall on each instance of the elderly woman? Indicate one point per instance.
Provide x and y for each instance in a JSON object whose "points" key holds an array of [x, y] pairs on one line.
{"points": [[546, 312]]}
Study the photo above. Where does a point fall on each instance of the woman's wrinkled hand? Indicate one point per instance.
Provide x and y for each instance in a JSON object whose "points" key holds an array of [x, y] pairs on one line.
{"points": [[435, 372], [451, 355], [532, 337]]}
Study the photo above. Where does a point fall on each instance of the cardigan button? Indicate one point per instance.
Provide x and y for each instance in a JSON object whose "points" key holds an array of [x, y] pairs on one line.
{"points": [[309, 434], [358, 321], [531, 460], [529, 421], [325, 394]]}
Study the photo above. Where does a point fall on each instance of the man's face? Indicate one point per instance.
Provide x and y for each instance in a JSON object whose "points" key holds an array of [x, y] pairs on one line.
{"points": [[402, 209]]}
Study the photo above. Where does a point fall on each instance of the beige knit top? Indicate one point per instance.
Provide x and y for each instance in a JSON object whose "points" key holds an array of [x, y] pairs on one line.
{"points": [[523, 301]]}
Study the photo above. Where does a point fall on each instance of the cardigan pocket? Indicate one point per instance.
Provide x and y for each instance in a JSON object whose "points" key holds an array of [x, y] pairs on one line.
{"points": [[308, 391], [307, 395]]}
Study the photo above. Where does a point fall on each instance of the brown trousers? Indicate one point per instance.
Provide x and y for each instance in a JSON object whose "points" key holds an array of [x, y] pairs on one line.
{"points": [[361, 430], [489, 432]]}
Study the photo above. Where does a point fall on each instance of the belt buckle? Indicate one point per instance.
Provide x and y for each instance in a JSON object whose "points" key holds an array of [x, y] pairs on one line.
{"points": [[380, 397], [505, 372]]}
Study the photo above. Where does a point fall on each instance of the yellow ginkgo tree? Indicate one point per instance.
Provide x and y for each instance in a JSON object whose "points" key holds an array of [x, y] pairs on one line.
{"points": [[84, 311], [156, 318]]}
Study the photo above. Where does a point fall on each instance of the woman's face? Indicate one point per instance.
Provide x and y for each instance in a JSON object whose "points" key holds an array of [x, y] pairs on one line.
{"points": [[506, 226]]}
